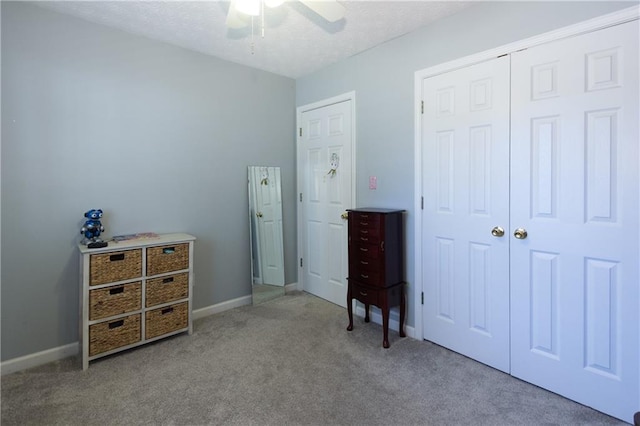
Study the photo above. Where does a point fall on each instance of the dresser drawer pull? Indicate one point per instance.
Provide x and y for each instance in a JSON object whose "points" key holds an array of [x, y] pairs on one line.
{"points": [[116, 324], [364, 231], [167, 280], [364, 239], [364, 263], [168, 250], [362, 293], [364, 215], [363, 249], [167, 311], [116, 257], [364, 223], [364, 276], [116, 290]]}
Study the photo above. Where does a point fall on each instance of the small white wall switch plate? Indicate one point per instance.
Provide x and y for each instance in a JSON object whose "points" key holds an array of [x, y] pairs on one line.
{"points": [[373, 182]]}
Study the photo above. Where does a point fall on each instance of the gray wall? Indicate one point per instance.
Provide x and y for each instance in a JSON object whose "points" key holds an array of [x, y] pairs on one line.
{"points": [[160, 137], [157, 136], [383, 79]]}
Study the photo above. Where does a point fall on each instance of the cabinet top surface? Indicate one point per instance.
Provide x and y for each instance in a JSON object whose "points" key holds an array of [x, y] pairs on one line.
{"points": [[141, 242], [374, 210]]}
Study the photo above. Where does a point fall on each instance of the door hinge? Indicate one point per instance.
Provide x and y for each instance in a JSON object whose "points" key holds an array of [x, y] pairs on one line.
{"points": [[422, 107], [301, 262], [300, 131], [422, 298], [421, 203], [301, 197]]}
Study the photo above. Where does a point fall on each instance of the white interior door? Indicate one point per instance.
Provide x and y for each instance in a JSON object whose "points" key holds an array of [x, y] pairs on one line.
{"points": [[574, 188], [325, 147], [466, 185], [269, 224]]}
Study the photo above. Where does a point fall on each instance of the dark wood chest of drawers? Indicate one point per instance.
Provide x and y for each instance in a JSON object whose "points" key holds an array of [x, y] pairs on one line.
{"points": [[376, 263]]}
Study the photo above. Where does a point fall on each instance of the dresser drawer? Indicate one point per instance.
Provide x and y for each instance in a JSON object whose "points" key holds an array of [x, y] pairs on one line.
{"points": [[370, 252], [165, 320], [366, 277], [167, 289], [167, 258], [109, 335], [115, 266], [366, 235], [115, 300], [364, 294], [365, 220], [363, 264]]}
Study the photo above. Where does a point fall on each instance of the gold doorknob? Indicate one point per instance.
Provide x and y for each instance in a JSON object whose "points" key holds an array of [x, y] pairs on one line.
{"points": [[497, 231], [259, 214], [344, 215], [520, 233]]}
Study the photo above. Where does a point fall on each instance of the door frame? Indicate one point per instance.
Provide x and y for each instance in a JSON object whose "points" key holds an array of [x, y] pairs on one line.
{"points": [[348, 96], [594, 24]]}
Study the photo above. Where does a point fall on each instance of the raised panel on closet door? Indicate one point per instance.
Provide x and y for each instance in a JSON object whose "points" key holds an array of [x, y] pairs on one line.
{"points": [[465, 167], [574, 188]]}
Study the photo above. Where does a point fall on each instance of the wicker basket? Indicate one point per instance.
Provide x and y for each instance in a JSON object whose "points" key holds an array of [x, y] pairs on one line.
{"points": [[109, 335], [167, 289], [115, 266], [119, 299], [165, 320], [167, 259]]}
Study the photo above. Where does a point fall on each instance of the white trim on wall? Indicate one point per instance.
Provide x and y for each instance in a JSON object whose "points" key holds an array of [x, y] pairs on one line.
{"points": [[73, 349], [40, 358], [375, 315], [598, 23], [288, 288], [221, 307]]}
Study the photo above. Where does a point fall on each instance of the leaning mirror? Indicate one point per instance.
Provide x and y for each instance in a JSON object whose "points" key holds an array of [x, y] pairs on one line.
{"points": [[265, 229]]}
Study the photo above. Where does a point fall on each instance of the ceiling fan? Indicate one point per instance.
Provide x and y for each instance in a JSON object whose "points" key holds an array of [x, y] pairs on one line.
{"points": [[242, 12]]}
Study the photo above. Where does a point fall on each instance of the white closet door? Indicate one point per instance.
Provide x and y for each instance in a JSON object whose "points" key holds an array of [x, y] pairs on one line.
{"points": [[574, 188], [466, 185]]}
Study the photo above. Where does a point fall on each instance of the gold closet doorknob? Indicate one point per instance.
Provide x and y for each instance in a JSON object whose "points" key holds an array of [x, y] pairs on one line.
{"points": [[259, 214], [520, 233], [344, 215], [497, 231]]}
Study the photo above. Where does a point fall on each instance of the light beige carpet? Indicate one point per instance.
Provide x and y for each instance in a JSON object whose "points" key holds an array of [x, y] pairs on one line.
{"points": [[288, 361]]}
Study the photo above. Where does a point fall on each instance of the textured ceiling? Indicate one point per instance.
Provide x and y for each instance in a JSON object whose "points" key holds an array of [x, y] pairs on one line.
{"points": [[296, 42]]}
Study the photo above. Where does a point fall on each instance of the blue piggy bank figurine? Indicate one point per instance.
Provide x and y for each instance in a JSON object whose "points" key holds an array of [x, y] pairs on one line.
{"points": [[92, 226]]}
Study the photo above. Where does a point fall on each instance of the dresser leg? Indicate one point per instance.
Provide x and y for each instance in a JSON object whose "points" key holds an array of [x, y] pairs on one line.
{"points": [[403, 302], [366, 312], [350, 308], [385, 327]]}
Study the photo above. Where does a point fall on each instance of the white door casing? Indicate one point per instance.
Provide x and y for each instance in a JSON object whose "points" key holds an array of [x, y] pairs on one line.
{"points": [[325, 182], [466, 179], [574, 188]]}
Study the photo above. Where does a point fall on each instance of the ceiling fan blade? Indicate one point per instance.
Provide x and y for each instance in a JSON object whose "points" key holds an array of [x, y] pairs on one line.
{"points": [[330, 10], [235, 19]]}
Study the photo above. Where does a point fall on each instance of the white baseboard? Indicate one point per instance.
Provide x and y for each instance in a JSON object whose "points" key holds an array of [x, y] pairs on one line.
{"points": [[72, 349], [291, 287], [376, 317], [39, 358], [221, 307]]}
